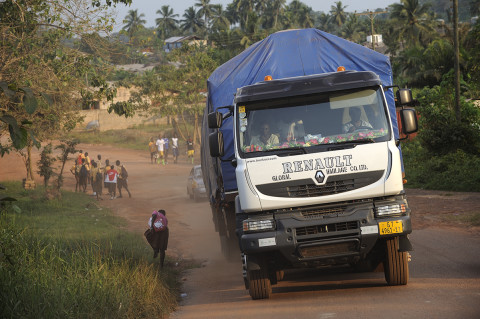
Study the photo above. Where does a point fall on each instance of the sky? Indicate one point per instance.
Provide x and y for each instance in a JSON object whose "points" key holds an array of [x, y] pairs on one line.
{"points": [[149, 7]]}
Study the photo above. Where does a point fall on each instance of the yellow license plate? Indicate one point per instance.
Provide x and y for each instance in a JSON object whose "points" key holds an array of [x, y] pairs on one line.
{"points": [[392, 227]]}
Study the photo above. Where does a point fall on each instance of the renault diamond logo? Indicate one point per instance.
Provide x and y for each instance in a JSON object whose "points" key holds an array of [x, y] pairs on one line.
{"points": [[319, 176]]}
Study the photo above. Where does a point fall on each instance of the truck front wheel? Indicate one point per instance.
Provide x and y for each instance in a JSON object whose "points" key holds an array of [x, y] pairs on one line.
{"points": [[259, 284], [395, 264]]}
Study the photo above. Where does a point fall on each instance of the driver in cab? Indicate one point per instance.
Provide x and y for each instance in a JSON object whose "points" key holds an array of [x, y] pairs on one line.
{"points": [[356, 123], [265, 138]]}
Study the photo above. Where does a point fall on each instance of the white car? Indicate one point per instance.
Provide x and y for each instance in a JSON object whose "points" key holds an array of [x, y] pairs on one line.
{"points": [[195, 186]]}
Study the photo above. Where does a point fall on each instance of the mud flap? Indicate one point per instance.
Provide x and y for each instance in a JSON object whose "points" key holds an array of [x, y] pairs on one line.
{"points": [[404, 244]]}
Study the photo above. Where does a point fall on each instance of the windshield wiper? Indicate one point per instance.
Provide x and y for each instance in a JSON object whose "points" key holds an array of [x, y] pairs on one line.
{"points": [[362, 141]]}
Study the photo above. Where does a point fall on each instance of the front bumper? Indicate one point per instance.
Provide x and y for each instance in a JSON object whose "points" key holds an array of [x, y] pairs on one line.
{"points": [[326, 236]]}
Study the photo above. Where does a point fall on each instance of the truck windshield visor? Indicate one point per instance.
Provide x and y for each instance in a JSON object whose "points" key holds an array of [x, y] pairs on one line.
{"points": [[307, 121]]}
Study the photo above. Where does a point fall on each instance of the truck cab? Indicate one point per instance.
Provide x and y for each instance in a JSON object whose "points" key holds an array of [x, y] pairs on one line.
{"points": [[319, 175]]}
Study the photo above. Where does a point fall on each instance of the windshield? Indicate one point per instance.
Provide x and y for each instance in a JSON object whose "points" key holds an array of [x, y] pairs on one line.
{"points": [[303, 122], [197, 172]]}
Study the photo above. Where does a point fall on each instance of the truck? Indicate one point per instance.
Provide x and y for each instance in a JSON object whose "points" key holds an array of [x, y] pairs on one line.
{"points": [[302, 162]]}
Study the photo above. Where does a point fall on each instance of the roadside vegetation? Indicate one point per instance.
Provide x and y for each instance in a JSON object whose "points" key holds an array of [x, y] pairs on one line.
{"points": [[70, 259]]}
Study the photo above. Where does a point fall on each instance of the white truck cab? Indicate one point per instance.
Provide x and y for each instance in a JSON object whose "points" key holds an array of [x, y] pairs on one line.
{"points": [[319, 175]]}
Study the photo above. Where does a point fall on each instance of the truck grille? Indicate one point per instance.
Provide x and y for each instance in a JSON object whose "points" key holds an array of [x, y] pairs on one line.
{"points": [[308, 188], [329, 188], [312, 214], [328, 228], [327, 250]]}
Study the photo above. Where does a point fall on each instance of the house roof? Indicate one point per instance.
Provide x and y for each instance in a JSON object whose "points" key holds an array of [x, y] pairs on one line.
{"points": [[180, 39]]}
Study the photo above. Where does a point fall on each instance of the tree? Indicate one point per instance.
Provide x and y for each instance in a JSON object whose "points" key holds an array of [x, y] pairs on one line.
{"points": [[133, 22], [414, 22], [337, 13], [219, 18], [192, 21], [206, 12], [167, 23], [45, 164], [41, 77]]}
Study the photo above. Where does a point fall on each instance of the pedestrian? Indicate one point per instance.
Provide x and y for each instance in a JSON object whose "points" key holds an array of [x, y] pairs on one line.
{"points": [[160, 143], [105, 170], [97, 179], [83, 176], [99, 162], [122, 179], [175, 148], [190, 149], [158, 233], [112, 176], [165, 139], [153, 150], [79, 157]]}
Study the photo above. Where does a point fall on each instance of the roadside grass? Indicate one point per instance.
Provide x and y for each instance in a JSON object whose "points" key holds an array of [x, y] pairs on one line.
{"points": [[68, 259], [135, 138]]}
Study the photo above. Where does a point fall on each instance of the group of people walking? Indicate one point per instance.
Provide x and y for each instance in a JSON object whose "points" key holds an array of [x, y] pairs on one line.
{"points": [[100, 175], [160, 149]]}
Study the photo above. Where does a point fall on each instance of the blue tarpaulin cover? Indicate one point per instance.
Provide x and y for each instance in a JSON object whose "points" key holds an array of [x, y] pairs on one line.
{"points": [[286, 54]]}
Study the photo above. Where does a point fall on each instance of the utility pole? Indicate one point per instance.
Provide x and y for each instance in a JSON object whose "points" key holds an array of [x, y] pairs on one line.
{"points": [[456, 61], [371, 15]]}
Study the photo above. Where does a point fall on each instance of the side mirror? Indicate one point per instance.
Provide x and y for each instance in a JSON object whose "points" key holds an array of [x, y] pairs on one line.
{"points": [[215, 141], [404, 96], [408, 118], [215, 120]]}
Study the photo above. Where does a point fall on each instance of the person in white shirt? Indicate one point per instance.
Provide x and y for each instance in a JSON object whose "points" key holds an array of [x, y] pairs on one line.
{"points": [[175, 148], [160, 146]]}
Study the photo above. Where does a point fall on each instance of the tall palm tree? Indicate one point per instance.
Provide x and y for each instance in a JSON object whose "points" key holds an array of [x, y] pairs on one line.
{"points": [[133, 22], [192, 21], [415, 22], [351, 29], [338, 14], [245, 9], [219, 18], [277, 7], [167, 22], [205, 11], [297, 15]]}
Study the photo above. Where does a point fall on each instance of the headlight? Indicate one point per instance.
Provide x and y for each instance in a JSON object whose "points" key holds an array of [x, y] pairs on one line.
{"points": [[194, 184], [252, 225], [390, 210]]}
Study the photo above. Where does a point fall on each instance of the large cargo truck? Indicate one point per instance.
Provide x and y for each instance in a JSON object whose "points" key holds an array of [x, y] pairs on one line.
{"points": [[301, 158]]}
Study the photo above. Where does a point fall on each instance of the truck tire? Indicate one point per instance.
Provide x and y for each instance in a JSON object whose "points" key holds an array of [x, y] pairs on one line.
{"points": [[280, 275], [395, 264], [259, 284], [196, 197]]}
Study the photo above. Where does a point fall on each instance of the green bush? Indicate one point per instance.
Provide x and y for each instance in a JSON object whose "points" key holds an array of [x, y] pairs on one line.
{"points": [[456, 171], [440, 133]]}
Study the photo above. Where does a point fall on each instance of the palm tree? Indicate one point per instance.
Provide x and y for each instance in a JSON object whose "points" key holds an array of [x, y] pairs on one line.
{"points": [[351, 29], [167, 22], [414, 22], [205, 11], [219, 18], [245, 9], [277, 8], [133, 22], [193, 21], [338, 14], [297, 15]]}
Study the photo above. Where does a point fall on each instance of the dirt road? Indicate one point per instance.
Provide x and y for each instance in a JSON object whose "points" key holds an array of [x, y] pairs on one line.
{"points": [[444, 272]]}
